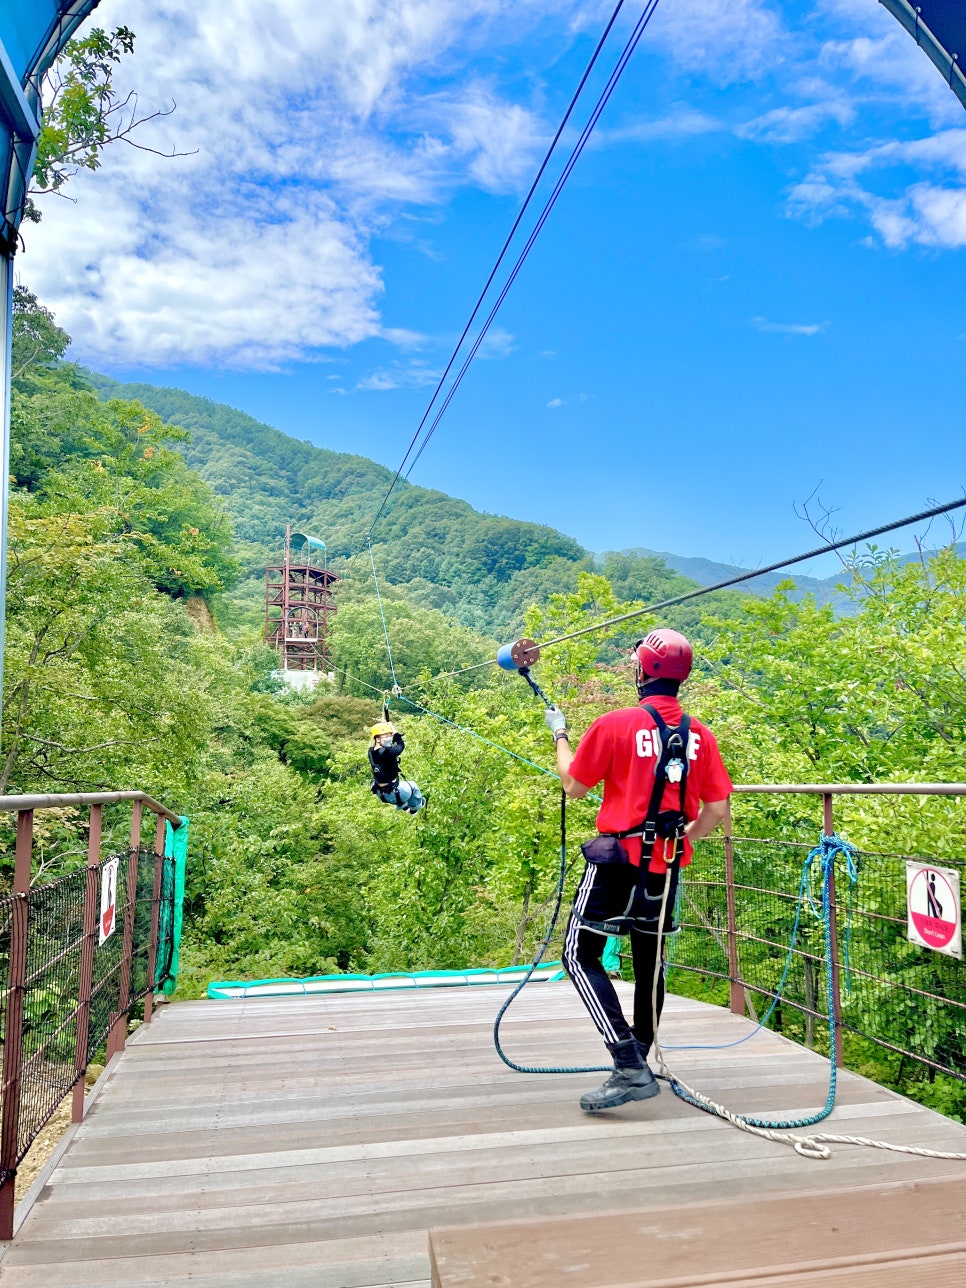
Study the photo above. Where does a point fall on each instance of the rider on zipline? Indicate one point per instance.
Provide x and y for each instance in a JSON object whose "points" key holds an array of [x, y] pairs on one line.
{"points": [[622, 885], [387, 747]]}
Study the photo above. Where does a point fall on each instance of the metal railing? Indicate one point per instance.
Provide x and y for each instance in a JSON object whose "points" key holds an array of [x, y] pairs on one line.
{"points": [[737, 912], [64, 995]]}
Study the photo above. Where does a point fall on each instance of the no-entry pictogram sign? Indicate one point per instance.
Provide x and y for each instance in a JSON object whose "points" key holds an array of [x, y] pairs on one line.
{"points": [[934, 912]]}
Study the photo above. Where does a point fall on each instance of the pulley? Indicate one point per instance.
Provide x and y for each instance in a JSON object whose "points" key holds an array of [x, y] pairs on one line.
{"points": [[519, 656]]}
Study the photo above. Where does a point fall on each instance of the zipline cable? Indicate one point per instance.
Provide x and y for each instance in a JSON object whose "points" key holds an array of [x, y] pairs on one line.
{"points": [[499, 260], [581, 143], [471, 733], [385, 628], [731, 581]]}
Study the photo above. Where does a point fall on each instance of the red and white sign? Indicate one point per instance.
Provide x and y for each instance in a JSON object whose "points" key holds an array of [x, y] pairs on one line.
{"points": [[934, 914], [108, 900]]}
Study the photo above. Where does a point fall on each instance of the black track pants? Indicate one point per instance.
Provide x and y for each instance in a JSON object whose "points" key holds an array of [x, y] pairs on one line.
{"points": [[609, 890]]}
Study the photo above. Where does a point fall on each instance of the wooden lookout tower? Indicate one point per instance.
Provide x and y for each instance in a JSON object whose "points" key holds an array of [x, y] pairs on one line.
{"points": [[298, 603]]}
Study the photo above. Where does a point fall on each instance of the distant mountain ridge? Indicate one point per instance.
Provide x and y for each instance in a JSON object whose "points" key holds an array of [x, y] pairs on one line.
{"points": [[482, 569], [707, 572]]}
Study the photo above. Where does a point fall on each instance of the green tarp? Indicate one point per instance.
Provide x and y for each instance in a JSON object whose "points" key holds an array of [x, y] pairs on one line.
{"points": [[176, 847]]}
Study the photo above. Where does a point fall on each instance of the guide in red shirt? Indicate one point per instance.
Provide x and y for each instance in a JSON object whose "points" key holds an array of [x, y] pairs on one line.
{"points": [[623, 883]]}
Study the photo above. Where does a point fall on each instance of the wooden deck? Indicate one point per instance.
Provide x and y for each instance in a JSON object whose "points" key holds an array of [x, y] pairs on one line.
{"points": [[315, 1141]]}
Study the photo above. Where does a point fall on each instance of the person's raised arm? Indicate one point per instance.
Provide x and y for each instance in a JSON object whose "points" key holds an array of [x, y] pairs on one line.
{"points": [[557, 724]]}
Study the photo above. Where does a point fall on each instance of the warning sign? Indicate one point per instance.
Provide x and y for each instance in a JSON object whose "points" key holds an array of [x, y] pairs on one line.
{"points": [[108, 899], [934, 913]]}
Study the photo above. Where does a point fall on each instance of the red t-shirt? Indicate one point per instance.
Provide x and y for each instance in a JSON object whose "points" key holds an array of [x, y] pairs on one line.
{"points": [[619, 749]]}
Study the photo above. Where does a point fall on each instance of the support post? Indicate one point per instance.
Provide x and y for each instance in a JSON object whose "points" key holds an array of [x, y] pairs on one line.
{"points": [[13, 1041], [118, 1035], [835, 1019], [88, 940], [736, 988], [155, 918], [6, 364]]}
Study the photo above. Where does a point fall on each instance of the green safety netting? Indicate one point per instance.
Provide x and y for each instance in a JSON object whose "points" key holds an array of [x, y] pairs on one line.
{"points": [[176, 847], [314, 984]]}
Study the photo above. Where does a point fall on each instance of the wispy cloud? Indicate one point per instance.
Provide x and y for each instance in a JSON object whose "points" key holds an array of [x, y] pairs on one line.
{"points": [[788, 328], [927, 212], [726, 43], [575, 398], [399, 375], [792, 124]]}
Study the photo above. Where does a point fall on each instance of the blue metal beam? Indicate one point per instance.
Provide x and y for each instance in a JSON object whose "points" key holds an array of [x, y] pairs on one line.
{"points": [[939, 29]]}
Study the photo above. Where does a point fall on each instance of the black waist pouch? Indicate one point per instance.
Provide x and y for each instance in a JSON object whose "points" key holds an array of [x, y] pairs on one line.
{"points": [[604, 849]]}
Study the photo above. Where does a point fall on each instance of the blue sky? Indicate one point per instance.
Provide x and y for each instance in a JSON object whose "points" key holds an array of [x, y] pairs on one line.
{"points": [[752, 287]]}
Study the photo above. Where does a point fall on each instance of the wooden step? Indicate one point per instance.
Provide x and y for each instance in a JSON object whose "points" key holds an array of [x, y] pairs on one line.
{"points": [[879, 1236]]}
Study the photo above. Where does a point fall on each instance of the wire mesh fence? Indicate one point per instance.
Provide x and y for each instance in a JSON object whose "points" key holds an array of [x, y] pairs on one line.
{"points": [[52, 1059], [903, 997]]}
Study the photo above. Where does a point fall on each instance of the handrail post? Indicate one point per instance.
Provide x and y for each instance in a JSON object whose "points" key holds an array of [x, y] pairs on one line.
{"points": [[835, 1019], [735, 987], [13, 1038], [118, 1034], [86, 984], [155, 917]]}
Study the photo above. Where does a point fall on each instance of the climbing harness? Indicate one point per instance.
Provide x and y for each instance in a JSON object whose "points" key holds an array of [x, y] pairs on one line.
{"points": [[666, 826]]}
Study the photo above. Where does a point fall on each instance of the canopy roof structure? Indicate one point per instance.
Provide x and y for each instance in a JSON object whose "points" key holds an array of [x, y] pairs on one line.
{"points": [[939, 29], [32, 34]]}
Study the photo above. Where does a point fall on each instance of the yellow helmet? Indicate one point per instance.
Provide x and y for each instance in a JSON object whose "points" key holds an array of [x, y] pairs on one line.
{"points": [[383, 727]]}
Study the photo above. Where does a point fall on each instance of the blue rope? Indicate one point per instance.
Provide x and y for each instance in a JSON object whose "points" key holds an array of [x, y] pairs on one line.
{"points": [[538, 957], [825, 852]]}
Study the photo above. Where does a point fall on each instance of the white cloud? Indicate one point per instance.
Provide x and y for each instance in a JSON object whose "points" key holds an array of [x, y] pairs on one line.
{"points": [[555, 402], [788, 328], [924, 212], [307, 132]]}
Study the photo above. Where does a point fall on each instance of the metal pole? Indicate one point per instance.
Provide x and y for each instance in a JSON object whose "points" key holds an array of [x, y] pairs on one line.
{"points": [[6, 369], [736, 988], [85, 988], [118, 1035], [835, 1019], [13, 1043], [155, 918]]}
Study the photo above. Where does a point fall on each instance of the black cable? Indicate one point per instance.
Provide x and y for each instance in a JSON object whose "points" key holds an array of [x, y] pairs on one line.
{"points": [[548, 207], [731, 581], [506, 245], [538, 957]]}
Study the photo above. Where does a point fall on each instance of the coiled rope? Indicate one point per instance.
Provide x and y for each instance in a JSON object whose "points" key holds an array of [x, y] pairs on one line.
{"points": [[815, 1145]]}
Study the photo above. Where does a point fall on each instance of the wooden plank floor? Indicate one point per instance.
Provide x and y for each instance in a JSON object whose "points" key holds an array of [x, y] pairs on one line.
{"points": [[299, 1142]]}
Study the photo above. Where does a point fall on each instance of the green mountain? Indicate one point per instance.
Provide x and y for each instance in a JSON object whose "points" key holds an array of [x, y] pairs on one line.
{"points": [[482, 569]]}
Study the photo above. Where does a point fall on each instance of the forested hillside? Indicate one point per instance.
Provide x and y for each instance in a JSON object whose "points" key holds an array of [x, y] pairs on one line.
{"points": [[482, 569], [116, 678]]}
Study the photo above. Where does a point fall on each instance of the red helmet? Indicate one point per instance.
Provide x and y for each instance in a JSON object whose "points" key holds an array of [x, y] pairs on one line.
{"points": [[664, 653]]}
